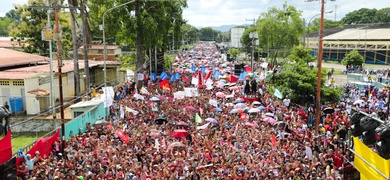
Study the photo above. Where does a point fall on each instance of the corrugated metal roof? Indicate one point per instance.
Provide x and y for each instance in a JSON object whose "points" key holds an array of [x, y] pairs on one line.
{"points": [[361, 34], [11, 57], [99, 46], [93, 102], [9, 44]]}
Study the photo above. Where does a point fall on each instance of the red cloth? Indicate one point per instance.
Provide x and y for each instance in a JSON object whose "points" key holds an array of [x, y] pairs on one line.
{"points": [[273, 140], [121, 135], [200, 80], [209, 74], [43, 146], [249, 99], [233, 79], [248, 69], [164, 84], [185, 79], [5, 148]]}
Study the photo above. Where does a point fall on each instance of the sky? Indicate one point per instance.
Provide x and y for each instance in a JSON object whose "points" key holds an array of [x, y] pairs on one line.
{"points": [[203, 13]]}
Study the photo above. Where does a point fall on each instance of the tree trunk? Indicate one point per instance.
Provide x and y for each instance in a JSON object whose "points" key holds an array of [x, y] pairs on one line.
{"points": [[75, 52], [139, 43]]}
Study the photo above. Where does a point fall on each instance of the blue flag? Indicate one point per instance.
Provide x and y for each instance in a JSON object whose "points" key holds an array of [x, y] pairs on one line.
{"points": [[177, 75], [203, 70], [241, 76], [154, 76], [217, 74], [193, 68], [163, 75], [172, 78]]}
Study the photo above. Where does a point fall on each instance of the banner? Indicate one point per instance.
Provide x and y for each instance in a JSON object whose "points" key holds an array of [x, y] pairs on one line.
{"points": [[191, 92], [43, 146], [179, 95], [8, 169], [367, 172], [5, 148], [121, 135], [108, 95]]}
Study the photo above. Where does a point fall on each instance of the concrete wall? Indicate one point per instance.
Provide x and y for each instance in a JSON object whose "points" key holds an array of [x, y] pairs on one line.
{"points": [[37, 125]]}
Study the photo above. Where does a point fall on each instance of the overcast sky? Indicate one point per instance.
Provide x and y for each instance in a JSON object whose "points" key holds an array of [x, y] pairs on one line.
{"points": [[202, 13]]}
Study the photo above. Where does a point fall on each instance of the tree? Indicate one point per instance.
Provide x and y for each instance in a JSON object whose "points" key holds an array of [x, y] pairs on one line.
{"points": [[208, 34], [383, 15], [234, 52], [246, 42], [189, 33], [12, 15], [5, 22], [280, 29], [353, 58], [315, 25], [361, 16], [299, 81], [29, 28]]}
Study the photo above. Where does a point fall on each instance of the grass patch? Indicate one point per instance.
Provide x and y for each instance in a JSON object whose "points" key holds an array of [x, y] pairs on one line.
{"points": [[21, 140]]}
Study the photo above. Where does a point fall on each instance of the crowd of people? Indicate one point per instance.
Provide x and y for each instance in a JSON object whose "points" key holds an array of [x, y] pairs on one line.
{"points": [[191, 138]]}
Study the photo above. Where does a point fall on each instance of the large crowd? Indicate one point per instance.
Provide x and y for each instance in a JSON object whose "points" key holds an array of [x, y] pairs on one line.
{"points": [[247, 135]]}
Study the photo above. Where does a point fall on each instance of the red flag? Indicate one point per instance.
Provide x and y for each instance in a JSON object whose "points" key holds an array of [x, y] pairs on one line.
{"points": [[164, 84], [121, 135], [243, 116], [273, 140], [248, 69], [233, 78], [209, 74], [200, 80], [185, 79], [5, 148]]}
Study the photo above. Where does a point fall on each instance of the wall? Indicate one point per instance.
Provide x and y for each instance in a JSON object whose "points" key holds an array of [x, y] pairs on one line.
{"points": [[78, 125]]}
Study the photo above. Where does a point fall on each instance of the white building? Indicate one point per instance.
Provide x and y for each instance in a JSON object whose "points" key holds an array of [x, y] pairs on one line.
{"points": [[236, 34]]}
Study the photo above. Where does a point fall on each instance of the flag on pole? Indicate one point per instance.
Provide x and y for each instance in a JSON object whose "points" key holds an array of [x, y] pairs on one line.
{"points": [[200, 80], [163, 76], [278, 94], [203, 69], [172, 78], [177, 75], [193, 68], [154, 76], [198, 119], [185, 79]]}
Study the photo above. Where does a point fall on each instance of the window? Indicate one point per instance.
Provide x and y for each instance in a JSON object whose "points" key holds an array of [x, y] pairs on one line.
{"points": [[4, 83], [18, 83]]}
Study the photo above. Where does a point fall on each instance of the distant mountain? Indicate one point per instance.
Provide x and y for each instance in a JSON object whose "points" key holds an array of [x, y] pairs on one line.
{"points": [[223, 28]]}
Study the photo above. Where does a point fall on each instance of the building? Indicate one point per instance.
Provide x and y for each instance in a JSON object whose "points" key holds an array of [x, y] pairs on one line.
{"points": [[96, 52], [26, 77], [373, 43], [236, 34], [8, 43]]}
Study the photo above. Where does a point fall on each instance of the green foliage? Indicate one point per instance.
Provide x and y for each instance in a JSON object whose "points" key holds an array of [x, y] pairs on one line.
{"points": [[5, 22], [314, 25], [280, 29], [167, 62], [301, 55], [353, 58], [245, 40], [383, 15], [234, 52], [208, 34], [361, 16], [299, 81], [189, 33], [330, 94], [31, 24], [12, 15]]}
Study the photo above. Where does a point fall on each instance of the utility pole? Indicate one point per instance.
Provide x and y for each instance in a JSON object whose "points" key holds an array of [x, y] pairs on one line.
{"points": [[59, 61], [252, 35], [75, 53], [85, 44]]}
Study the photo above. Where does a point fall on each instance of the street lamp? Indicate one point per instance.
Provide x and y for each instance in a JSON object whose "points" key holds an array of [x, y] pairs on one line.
{"points": [[105, 45], [308, 25]]}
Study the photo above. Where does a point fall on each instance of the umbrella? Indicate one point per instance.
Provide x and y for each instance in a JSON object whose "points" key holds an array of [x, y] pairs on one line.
{"points": [[328, 110], [269, 114], [271, 120], [379, 103], [181, 123], [220, 94], [256, 103], [234, 88], [192, 108], [251, 124], [358, 101], [160, 121], [234, 111], [212, 120], [254, 110], [139, 97], [178, 133], [177, 144], [101, 123], [154, 99], [218, 109], [239, 100], [240, 106], [261, 107]]}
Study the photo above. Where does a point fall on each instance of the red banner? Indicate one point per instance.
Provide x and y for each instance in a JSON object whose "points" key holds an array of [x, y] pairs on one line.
{"points": [[121, 135], [200, 80], [5, 148], [273, 140], [43, 146]]}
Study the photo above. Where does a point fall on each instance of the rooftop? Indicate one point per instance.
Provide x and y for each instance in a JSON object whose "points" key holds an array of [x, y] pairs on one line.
{"points": [[14, 58], [101, 46], [361, 34]]}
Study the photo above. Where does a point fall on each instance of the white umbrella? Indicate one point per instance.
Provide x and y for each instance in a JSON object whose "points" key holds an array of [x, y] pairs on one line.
{"points": [[269, 114], [256, 103], [254, 110], [240, 106], [154, 99], [358, 101], [139, 97]]}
